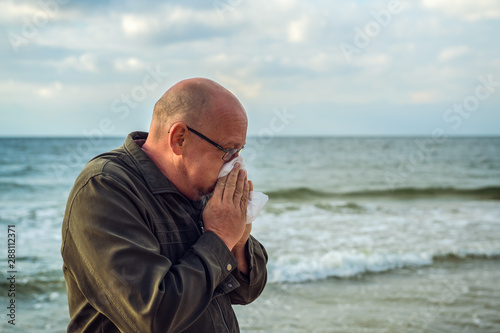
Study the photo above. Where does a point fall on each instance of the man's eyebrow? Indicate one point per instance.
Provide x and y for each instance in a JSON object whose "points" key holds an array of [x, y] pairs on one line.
{"points": [[237, 146], [231, 144]]}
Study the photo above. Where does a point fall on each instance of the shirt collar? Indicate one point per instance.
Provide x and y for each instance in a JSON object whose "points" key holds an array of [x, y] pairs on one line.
{"points": [[155, 180]]}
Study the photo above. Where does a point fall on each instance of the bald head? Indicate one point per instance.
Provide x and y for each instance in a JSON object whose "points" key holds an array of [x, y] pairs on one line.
{"points": [[192, 101]]}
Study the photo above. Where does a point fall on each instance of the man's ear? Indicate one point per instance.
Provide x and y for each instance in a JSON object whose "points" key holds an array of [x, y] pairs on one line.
{"points": [[177, 138]]}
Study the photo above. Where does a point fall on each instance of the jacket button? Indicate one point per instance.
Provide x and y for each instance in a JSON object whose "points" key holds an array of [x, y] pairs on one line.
{"points": [[229, 267]]}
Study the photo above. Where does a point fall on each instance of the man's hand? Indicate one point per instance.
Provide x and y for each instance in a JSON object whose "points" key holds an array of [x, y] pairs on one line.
{"points": [[248, 228], [225, 213], [239, 250]]}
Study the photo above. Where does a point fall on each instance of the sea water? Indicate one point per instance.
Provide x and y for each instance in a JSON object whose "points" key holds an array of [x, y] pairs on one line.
{"points": [[363, 234]]}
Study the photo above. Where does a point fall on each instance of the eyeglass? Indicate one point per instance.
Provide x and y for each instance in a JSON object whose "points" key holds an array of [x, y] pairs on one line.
{"points": [[228, 153]]}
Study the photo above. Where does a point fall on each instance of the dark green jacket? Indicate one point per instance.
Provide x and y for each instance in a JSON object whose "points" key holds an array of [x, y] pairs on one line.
{"points": [[136, 258]]}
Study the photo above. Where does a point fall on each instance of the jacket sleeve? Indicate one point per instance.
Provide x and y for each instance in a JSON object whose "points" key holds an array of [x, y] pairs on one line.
{"points": [[251, 286], [116, 262]]}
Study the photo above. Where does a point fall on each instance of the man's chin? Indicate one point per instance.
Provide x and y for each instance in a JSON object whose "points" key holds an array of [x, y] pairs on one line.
{"points": [[208, 192]]}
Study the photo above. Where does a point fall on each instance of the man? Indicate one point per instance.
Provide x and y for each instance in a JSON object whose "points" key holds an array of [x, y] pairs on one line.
{"points": [[144, 249]]}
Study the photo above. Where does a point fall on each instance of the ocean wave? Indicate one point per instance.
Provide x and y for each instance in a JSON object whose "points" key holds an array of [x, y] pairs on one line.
{"points": [[292, 268], [28, 184], [12, 186], [328, 206], [304, 193], [16, 170], [41, 283], [341, 206], [464, 255]]}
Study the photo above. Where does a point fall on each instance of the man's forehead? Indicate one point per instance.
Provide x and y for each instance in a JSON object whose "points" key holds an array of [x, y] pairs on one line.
{"points": [[228, 122], [233, 141]]}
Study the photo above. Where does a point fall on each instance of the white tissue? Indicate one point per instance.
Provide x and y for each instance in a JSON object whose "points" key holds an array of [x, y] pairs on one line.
{"points": [[256, 200], [227, 167]]}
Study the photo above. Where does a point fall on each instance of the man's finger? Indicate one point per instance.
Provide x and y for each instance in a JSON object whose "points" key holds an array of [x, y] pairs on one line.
{"points": [[244, 197], [231, 183], [238, 191], [219, 188]]}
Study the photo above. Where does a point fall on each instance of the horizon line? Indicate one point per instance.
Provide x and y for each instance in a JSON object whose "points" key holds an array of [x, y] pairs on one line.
{"points": [[65, 136]]}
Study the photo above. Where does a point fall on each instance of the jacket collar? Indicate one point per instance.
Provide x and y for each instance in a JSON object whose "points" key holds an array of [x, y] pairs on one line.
{"points": [[155, 180]]}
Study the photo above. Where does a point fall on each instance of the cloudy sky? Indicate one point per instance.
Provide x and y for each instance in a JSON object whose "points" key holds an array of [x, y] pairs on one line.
{"points": [[353, 67]]}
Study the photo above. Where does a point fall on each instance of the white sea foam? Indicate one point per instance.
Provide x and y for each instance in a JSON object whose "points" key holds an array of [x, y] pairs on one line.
{"points": [[293, 268]]}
